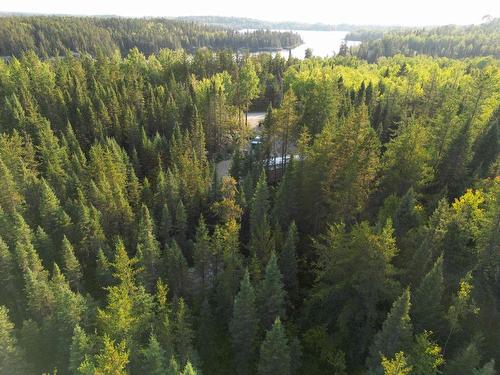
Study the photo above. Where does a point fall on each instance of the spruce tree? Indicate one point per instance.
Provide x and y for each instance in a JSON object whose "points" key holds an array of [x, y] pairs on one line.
{"points": [[8, 292], [176, 269], [12, 359], [464, 361], [271, 297], [71, 265], [148, 250], [288, 263], [487, 148], [10, 199], [427, 308], [81, 348], [165, 227], [243, 326], [113, 358], [425, 355], [206, 335], [405, 217], [153, 358], [180, 224], [261, 243], [274, 352], [202, 255], [183, 334], [395, 335]]}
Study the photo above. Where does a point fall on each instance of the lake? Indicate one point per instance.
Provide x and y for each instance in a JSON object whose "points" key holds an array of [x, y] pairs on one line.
{"points": [[323, 43]]}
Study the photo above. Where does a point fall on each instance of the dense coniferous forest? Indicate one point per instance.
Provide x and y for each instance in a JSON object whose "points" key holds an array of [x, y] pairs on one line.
{"points": [[372, 248], [444, 41], [250, 23], [54, 35]]}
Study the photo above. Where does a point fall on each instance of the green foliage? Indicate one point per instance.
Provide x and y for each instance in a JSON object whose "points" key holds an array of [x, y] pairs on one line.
{"points": [[109, 172], [427, 308], [261, 244], [396, 332], [288, 263], [396, 366], [12, 360], [243, 326], [271, 296], [148, 249], [97, 35], [154, 361], [71, 266], [275, 352], [425, 356], [452, 41], [112, 359]]}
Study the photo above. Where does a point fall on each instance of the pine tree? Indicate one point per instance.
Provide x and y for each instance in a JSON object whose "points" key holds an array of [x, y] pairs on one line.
{"points": [[103, 269], [405, 217], [12, 359], [154, 361], [425, 355], [243, 326], [51, 215], [464, 362], [261, 242], [285, 202], [113, 359], [71, 265], [274, 352], [202, 255], [288, 263], [165, 227], [118, 319], [67, 312], [8, 292], [180, 224], [427, 308], [45, 246], [487, 148], [396, 332], [148, 250], [10, 199], [271, 297], [163, 321], [81, 349], [183, 334], [452, 168], [176, 268], [189, 369], [206, 335]]}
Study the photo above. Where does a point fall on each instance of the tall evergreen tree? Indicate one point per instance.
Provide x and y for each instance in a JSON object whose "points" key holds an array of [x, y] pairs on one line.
{"points": [[183, 334], [71, 265], [243, 326], [12, 359], [288, 263], [261, 243], [275, 352], [154, 361], [148, 249], [271, 296], [202, 255], [80, 350], [427, 308], [395, 335]]}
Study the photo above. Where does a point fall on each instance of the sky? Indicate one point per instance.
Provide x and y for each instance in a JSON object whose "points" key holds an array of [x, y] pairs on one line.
{"points": [[383, 12]]}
